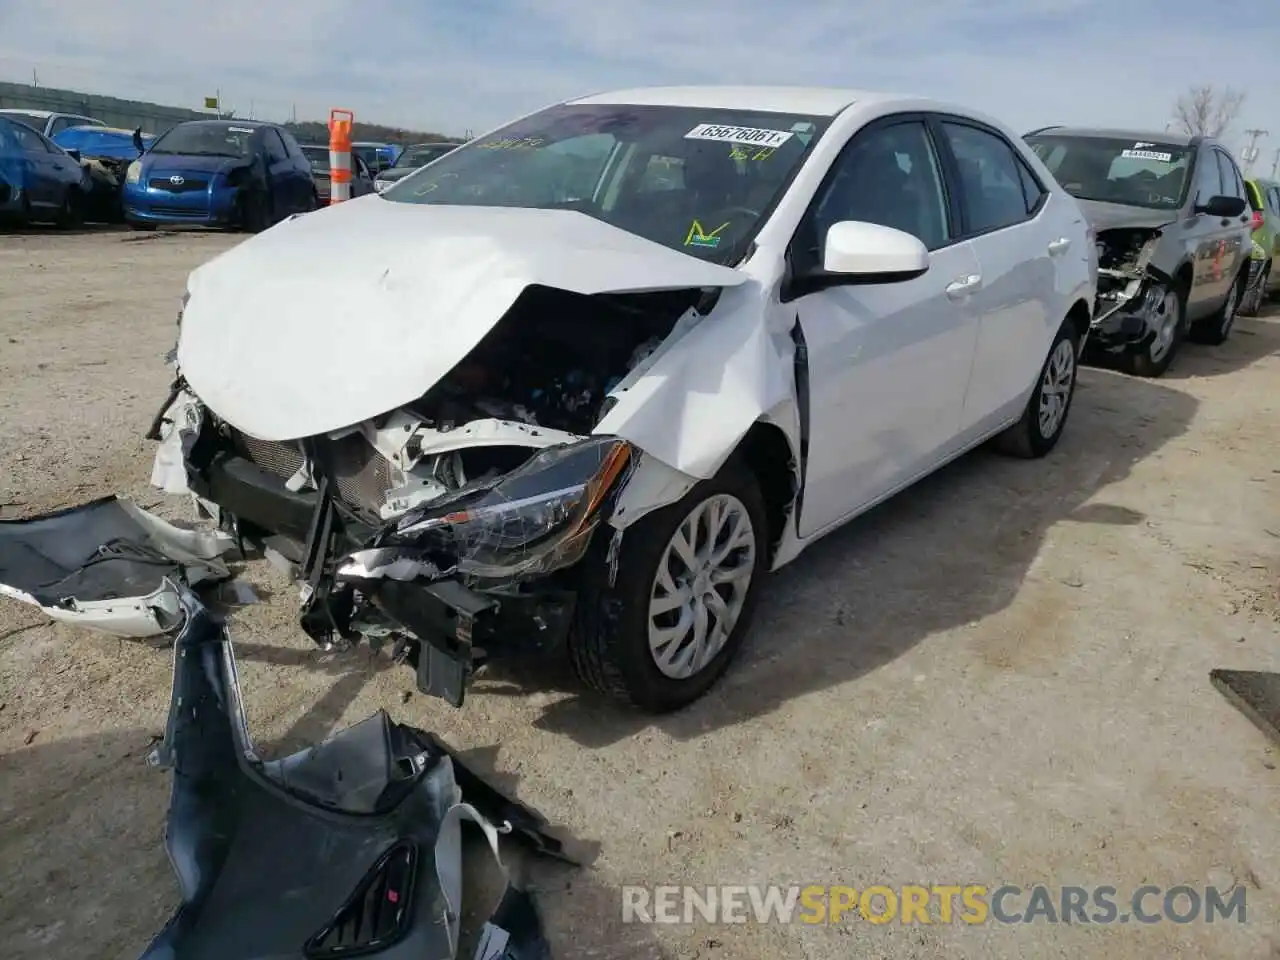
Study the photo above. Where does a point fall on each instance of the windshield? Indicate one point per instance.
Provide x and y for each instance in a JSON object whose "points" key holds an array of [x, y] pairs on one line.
{"points": [[318, 157], [420, 156], [205, 140], [1136, 173], [696, 180], [30, 119]]}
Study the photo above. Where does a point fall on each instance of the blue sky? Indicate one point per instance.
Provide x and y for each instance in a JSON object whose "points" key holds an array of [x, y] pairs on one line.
{"points": [[465, 64]]}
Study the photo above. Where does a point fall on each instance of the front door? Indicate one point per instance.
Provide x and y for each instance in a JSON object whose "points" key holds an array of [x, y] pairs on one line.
{"points": [[1208, 238], [888, 363]]}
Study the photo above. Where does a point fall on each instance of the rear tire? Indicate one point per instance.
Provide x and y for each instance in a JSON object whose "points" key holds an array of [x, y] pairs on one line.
{"points": [[1256, 294], [1045, 415], [619, 624]]}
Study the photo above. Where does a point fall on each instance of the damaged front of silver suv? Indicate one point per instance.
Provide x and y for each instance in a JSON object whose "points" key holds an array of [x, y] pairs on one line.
{"points": [[440, 491], [1138, 311]]}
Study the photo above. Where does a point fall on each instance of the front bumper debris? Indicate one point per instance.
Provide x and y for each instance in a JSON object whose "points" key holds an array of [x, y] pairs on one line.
{"points": [[441, 626], [1130, 292], [348, 848], [108, 565]]}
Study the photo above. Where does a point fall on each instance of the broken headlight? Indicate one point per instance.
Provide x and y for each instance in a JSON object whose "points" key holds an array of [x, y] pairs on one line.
{"points": [[535, 519]]}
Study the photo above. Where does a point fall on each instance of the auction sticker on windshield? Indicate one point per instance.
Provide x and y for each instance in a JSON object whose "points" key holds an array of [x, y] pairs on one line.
{"points": [[756, 136], [1146, 155]]}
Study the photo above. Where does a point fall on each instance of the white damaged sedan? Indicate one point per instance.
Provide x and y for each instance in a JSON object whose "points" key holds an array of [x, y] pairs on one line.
{"points": [[579, 384]]}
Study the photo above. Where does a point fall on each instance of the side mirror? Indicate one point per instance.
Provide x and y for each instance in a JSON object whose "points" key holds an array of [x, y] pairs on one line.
{"points": [[857, 252], [137, 141], [1224, 207]]}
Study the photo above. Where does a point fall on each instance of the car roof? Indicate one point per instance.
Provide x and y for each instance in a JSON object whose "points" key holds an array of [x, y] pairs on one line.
{"points": [[822, 101], [1120, 133], [228, 123], [31, 113], [94, 128]]}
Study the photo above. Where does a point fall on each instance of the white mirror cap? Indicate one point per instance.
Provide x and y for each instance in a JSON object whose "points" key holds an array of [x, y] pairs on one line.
{"points": [[854, 247]]}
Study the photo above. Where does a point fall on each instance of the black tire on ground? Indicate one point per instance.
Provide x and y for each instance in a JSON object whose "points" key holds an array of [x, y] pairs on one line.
{"points": [[253, 212], [1029, 438], [1144, 364], [139, 225], [1215, 328], [1256, 294], [71, 214], [609, 644]]}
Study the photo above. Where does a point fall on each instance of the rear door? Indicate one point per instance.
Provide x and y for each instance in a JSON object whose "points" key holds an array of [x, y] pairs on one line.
{"points": [[1236, 242], [1017, 242]]}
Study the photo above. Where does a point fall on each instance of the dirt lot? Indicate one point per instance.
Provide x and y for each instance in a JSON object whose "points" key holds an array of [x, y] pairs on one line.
{"points": [[1001, 677]]}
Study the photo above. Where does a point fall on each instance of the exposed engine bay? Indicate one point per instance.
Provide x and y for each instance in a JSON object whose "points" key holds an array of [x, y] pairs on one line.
{"points": [[1126, 278], [553, 359], [541, 377]]}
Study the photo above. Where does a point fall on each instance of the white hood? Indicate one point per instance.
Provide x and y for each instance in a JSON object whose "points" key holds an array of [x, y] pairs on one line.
{"points": [[341, 315]]}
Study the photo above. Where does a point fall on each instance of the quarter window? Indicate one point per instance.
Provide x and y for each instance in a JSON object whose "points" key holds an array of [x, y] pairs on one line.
{"points": [[991, 184], [1232, 185], [1031, 188], [890, 176], [1208, 178]]}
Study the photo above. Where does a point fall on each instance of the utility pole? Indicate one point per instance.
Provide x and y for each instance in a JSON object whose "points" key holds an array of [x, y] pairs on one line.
{"points": [[1251, 151]]}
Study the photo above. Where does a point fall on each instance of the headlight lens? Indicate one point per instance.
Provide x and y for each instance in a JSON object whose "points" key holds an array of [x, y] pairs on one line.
{"points": [[531, 521], [134, 173]]}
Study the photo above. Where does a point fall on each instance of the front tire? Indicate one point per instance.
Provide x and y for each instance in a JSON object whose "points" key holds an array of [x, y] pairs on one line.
{"points": [[1045, 414], [687, 578], [1158, 353], [71, 214], [1215, 329], [253, 212]]}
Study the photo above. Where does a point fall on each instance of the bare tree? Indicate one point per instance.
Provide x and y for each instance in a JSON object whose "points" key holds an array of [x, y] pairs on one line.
{"points": [[1207, 112]]}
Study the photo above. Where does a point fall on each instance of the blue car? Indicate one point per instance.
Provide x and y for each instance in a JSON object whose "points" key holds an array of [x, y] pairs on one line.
{"points": [[105, 153], [376, 156], [219, 173], [39, 181], [108, 143]]}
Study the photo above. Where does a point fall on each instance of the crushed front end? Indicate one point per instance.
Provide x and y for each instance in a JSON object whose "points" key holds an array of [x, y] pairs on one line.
{"points": [[1132, 300], [452, 529]]}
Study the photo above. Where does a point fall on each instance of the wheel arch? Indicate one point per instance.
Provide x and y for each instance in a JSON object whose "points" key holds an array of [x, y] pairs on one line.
{"points": [[1079, 316], [767, 453]]}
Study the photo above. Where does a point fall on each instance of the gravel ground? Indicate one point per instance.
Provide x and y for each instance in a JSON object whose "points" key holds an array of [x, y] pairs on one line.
{"points": [[1000, 677]]}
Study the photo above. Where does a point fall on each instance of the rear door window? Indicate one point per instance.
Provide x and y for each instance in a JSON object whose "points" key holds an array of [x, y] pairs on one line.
{"points": [[990, 181]]}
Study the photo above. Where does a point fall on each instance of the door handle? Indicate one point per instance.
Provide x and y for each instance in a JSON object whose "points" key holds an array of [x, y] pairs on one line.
{"points": [[964, 286], [1059, 246]]}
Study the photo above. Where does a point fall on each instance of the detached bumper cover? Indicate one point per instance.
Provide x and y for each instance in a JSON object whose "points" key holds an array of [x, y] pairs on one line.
{"points": [[348, 848], [108, 565]]}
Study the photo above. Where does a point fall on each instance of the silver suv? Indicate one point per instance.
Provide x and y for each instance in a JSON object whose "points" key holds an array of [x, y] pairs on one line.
{"points": [[1171, 217]]}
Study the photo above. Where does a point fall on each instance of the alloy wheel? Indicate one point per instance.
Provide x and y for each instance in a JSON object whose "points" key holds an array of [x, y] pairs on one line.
{"points": [[1055, 388], [1167, 332], [701, 585]]}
